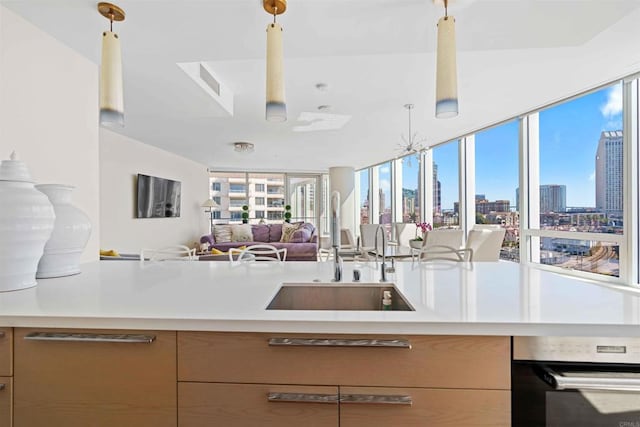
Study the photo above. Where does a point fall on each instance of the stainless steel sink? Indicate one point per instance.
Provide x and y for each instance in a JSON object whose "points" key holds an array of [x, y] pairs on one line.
{"points": [[337, 296]]}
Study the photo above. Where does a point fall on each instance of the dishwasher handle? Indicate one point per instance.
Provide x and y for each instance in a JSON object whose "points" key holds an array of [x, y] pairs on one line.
{"points": [[588, 382]]}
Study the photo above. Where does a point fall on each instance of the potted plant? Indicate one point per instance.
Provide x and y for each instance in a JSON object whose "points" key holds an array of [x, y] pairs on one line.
{"points": [[287, 213], [245, 214], [423, 227]]}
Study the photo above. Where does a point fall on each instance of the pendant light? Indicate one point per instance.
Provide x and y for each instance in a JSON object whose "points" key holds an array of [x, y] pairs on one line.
{"points": [[276, 108], [111, 93], [446, 70]]}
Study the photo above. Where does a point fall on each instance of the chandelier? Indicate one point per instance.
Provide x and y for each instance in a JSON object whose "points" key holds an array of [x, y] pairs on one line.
{"points": [[412, 144]]}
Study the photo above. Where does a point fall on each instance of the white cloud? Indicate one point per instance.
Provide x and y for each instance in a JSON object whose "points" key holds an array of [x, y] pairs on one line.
{"points": [[613, 106], [385, 169], [385, 184], [592, 176]]}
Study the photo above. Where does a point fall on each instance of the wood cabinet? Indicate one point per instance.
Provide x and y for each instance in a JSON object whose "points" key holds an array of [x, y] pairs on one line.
{"points": [[382, 380], [264, 405], [6, 352], [429, 361], [6, 382], [6, 390], [94, 378], [366, 407]]}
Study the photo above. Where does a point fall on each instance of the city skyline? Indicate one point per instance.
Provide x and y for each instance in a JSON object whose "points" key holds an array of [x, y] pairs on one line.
{"points": [[570, 130]]}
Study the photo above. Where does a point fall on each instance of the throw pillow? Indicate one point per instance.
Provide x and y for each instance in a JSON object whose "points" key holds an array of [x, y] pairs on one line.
{"points": [[110, 252], [241, 233], [222, 233], [275, 232], [287, 231], [260, 233], [215, 251], [303, 233]]}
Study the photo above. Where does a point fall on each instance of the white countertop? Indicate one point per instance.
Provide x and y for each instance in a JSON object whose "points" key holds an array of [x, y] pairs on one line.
{"points": [[482, 299]]}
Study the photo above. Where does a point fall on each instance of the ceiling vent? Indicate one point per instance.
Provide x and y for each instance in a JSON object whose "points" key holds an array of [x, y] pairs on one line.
{"points": [[209, 80], [203, 75]]}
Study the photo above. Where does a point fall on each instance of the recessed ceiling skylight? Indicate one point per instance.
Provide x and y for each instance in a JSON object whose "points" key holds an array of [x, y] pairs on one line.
{"points": [[321, 121]]}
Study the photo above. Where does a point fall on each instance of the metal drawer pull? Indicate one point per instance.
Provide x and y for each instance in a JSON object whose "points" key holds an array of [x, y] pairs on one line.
{"points": [[613, 382], [303, 397], [319, 342], [2, 386], [376, 399], [75, 337]]}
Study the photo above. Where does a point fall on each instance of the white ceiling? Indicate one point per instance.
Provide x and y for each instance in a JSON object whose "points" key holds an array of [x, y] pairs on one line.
{"points": [[375, 56]]}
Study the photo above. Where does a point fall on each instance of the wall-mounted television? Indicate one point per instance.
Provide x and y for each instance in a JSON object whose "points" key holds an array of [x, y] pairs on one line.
{"points": [[157, 197]]}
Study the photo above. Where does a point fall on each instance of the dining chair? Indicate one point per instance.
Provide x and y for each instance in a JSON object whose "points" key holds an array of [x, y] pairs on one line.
{"points": [[257, 253], [173, 253], [368, 235], [444, 244], [405, 232], [485, 243]]}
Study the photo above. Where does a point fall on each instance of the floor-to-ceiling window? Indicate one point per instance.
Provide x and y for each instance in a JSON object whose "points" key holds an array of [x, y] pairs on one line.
{"points": [[578, 183], [409, 176], [444, 190], [362, 183], [385, 214], [497, 181]]}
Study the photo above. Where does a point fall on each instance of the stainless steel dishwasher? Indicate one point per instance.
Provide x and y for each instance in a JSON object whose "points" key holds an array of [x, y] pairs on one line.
{"points": [[575, 381]]}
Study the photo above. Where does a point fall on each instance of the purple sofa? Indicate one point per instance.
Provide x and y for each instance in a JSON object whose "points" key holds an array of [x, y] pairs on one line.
{"points": [[303, 245]]}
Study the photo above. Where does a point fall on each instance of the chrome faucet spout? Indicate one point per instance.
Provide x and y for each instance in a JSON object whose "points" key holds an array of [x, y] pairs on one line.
{"points": [[383, 269], [337, 266]]}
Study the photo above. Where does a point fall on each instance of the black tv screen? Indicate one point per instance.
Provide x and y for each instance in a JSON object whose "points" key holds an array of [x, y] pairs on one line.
{"points": [[158, 197]]}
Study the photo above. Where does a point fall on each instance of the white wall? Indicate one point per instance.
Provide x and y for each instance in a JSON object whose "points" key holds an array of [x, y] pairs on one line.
{"points": [[121, 160], [49, 113]]}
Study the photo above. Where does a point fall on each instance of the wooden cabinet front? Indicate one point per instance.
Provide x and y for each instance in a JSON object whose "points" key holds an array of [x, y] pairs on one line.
{"points": [[242, 405], [384, 407], [480, 362], [6, 352], [94, 378], [6, 389]]}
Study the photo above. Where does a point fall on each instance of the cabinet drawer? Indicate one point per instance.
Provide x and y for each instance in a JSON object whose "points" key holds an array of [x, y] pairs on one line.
{"points": [[6, 352], [432, 361], [94, 378], [241, 405], [6, 390], [365, 407]]}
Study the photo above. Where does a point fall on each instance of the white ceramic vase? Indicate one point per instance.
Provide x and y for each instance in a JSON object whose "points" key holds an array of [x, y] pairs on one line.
{"points": [[71, 233], [26, 223]]}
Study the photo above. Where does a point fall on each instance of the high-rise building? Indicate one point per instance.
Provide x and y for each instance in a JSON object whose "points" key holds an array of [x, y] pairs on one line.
{"points": [[609, 173], [553, 198], [437, 208]]}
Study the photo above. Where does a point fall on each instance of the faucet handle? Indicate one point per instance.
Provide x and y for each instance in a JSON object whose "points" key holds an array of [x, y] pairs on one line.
{"points": [[356, 275]]}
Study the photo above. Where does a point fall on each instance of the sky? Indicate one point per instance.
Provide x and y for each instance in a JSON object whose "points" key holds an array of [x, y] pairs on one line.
{"points": [[569, 135]]}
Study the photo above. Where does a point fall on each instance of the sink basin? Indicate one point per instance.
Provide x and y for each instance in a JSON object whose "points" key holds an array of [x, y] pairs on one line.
{"points": [[337, 296]]}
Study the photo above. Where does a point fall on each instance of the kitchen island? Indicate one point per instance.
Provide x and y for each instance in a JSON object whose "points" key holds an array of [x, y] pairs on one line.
{"points": [[499, 298], [193, 344]]}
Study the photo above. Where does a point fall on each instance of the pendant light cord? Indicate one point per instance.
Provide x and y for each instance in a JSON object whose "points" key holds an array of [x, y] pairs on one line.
{"points": [[275, 13], [446, 11]]}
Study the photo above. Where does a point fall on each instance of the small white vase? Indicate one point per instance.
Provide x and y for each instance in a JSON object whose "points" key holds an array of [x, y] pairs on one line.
{"points": [[415, 244], [26, 223], [71, 233]]}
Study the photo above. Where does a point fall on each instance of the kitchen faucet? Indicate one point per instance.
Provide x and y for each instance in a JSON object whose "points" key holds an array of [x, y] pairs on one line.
{"points": [[383, 270], [335, 236]]}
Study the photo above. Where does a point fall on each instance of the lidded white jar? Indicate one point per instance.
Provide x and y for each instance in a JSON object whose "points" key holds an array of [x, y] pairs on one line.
{"points": [[26, 223], [71, 232]]}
